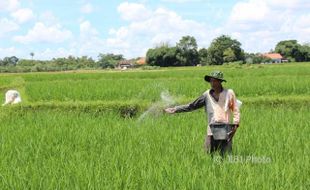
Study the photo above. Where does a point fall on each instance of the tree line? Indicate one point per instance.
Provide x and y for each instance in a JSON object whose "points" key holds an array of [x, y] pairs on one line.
{"points": [[13, 64], [222, 49]]}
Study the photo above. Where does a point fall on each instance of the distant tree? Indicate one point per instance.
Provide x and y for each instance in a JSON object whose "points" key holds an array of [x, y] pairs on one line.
{"points": [[163, 56], [231, 47], [183, 54], [86, 62], [170, 58], [203, 56], [31, 54], [27, 62], [290, 49], [187, 49], [109, 60], [60, 62], [304, 53], [293, 51], [229, 55], [9, 61]]}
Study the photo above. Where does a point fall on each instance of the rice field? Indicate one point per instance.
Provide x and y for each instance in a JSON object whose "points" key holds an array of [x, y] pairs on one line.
{"points": [[82, 130]]}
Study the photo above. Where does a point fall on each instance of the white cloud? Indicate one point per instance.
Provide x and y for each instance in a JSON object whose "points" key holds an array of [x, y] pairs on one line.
{"points": [[86, 29], [22, 15], [133, 11], [49, 54], [7, 26], [7, 52], [89, 42], [260, 24], [159, 26], [257, 24], [301, 27], [48, 18], [42, 33], [303, 21], [249, 11], [289, 4], [9, 5], [253, 14], [181, 1], [87, 8]]}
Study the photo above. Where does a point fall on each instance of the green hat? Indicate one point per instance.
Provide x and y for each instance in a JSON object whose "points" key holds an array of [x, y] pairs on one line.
{"points": [[216, 75]]}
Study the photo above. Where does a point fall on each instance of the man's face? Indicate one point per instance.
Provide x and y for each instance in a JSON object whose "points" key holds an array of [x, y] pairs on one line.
{"points": [[215, 83]]}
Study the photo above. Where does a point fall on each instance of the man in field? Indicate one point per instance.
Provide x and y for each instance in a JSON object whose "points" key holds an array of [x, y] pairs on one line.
{"points": [[220, 104]]}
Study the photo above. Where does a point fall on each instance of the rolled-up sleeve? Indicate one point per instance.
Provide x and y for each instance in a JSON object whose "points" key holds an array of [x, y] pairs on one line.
{"points": [[234, 108], [196, 104]]}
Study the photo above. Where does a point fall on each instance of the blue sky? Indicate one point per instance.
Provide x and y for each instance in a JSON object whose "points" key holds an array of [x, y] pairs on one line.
{"points": [[59, 28]]}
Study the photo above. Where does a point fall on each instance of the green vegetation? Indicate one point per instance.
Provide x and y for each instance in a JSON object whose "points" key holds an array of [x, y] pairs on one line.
{"points": [[222, 50], [85, 130], [14, 65], [185, 53], [293, 51]]}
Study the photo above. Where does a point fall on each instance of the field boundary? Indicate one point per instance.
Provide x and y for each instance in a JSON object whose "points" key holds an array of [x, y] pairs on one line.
{"points": [[136, 106]]}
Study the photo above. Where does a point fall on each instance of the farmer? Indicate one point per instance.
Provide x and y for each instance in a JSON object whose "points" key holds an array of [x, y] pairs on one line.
{"points": [[219, 105], [12, 97]]}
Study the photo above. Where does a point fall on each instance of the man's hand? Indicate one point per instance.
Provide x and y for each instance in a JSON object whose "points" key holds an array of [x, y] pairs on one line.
{"points": [[233, 131], [234, 128], [170, 110]]}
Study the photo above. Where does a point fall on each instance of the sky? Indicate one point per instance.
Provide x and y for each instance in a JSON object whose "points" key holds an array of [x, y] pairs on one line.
{"points": [[59, 28]]}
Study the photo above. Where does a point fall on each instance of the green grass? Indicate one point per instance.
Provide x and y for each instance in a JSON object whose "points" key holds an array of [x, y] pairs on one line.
{"points": [[72, 131], [149, 89], [70, 150]]}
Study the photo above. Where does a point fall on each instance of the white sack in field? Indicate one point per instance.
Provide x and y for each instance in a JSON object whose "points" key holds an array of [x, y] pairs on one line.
{"points": [[12, 97]]}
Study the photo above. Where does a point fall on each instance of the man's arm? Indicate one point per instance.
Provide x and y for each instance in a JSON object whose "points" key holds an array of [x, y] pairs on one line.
{"points": [[196, 104], [233, 106]]}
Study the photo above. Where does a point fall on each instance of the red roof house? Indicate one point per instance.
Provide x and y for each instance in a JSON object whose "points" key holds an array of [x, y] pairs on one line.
{"points": [[275, 57]]}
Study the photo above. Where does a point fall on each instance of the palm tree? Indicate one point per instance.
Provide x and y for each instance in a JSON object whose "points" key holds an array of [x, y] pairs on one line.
{"points": [[32, 54]]}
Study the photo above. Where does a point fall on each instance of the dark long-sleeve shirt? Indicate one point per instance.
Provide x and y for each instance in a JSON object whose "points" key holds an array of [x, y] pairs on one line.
{"points": [[196, 104]]}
